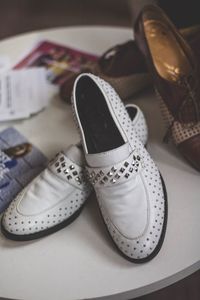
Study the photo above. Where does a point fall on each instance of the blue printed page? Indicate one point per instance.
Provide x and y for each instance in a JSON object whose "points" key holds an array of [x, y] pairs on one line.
{"points": [[20, 162]]}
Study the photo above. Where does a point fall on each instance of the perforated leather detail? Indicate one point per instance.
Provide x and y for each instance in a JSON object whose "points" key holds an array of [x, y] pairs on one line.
{"points": [[74, 189], [51, 198], [143, 245], [180, 131]]}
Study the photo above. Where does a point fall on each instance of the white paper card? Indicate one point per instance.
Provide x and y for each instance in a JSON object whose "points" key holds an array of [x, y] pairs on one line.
{"points": [[4, 63], [23, 93]]}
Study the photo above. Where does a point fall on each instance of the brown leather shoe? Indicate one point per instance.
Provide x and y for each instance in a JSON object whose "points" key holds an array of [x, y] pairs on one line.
{"points": [[175, 74], [124, 67]]}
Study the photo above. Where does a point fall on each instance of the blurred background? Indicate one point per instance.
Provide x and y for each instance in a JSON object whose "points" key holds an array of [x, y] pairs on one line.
{"points": [[24, 15], [19, 16]]}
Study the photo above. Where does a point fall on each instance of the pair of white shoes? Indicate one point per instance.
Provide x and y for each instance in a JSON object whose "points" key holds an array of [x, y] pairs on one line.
{"points": [[113, 160]]}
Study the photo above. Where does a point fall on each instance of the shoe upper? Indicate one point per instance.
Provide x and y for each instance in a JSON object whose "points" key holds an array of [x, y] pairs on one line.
{"points": [[138, 122], [127, 182], [59, 191], [52, 197], [175, 72]]}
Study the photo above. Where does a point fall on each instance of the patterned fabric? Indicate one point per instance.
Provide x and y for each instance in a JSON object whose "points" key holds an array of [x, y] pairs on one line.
{"points": [[180, 131]]}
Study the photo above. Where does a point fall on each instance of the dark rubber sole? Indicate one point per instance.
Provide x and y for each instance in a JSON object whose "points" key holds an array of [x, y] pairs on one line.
{"points": [[43, 233], [160, 242]]}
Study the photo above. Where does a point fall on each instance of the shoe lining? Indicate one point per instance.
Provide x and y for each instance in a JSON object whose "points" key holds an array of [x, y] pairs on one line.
{"points": [[132, 111], [168, 54], [100, 130]]}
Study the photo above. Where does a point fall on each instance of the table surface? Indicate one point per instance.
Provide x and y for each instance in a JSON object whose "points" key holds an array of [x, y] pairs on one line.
{"points": [[79, 261]]}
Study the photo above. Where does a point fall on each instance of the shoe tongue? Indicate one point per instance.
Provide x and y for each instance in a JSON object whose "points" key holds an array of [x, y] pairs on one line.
{"points": [[75, 154], [108, 158]]}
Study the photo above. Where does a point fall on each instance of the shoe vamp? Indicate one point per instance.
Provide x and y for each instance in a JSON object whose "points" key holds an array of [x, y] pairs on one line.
{"points": [[126, 206], [45, 192]]}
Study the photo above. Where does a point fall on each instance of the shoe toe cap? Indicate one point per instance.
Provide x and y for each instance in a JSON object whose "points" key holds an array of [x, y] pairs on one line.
{"points": [[142, 245], [16, 223], [12, 221], [140, 248]]}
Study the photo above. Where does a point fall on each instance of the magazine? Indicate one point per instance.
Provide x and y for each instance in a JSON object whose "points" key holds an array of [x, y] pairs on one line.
{"points": [[62, 62], [20, 162]]}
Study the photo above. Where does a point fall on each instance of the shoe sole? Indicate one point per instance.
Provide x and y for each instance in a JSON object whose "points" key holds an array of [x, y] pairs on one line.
{"points": [[160, 242], [43, 233]]}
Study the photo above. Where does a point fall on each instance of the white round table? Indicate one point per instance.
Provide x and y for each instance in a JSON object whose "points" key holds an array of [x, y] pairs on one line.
{"points": [[80, 262]]}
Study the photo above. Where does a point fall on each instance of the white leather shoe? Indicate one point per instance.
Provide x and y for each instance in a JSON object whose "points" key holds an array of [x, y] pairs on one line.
{"points": [[138, 122], [129, 188], [55, 198], [51, 201]]}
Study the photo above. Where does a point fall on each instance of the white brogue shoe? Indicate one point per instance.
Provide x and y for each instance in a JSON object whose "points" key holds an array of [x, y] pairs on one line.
{"points": [[129, 188], [55, 198], [51, 201]]}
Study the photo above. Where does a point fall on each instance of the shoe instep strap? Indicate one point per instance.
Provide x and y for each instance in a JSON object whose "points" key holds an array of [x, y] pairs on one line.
{"points": [[116, 174], [68, 171]]}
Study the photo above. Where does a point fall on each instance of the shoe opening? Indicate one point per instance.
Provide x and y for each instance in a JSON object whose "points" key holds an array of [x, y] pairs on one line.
{"points": [[100, 130]]}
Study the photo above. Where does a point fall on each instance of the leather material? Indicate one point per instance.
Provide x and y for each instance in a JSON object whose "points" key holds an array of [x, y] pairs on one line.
{"points": [[125, 200], [126, 207], [133, 210], [124, 68], [122, 60], [51, 198], [180, 96], [125, 85], [75, 154], [59, 191], [107, 158]]}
